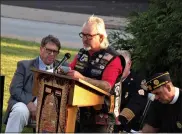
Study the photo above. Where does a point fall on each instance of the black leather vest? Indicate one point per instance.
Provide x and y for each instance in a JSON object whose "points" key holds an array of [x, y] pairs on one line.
{"points": [[94, 66]]}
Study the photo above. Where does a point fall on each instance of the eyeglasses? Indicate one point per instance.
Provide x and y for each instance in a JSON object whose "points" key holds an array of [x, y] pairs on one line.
{"points": [[88, 36], [49, 51]]}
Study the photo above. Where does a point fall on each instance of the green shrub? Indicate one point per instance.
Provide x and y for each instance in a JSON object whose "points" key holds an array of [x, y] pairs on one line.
{"points": [[156, 43]]}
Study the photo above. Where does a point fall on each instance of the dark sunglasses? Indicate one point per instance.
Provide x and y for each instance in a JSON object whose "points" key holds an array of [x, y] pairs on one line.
{"points": [[88, 36], [49, 51]]}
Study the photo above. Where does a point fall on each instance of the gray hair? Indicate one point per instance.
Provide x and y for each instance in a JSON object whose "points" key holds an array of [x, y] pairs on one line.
{"points": [[126, 54], [100, 26]]}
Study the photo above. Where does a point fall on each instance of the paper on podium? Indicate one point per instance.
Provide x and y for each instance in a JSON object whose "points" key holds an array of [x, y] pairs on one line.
{"points": [[64, 69]]}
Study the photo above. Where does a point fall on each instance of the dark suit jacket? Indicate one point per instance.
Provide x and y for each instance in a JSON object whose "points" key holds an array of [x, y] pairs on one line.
{"points": [[21, 85]]}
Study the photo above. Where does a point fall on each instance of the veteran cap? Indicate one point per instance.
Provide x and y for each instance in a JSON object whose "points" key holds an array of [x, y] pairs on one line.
{"points": [[158, 80]]}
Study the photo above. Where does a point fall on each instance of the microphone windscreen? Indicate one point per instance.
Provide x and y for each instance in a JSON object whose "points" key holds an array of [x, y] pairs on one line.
{"points": [[67, 55]]}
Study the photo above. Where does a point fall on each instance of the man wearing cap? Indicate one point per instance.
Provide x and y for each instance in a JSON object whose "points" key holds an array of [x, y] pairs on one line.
{"points": [[165, 113]]}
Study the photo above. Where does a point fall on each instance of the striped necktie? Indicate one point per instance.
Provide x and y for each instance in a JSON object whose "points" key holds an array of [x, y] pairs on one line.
{"points": [[48, 67]]}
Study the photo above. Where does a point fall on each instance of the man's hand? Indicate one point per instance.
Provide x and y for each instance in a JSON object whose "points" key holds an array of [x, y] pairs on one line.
{"points": [[75, 74], [32, 108], [98, 83], [63, 70]]}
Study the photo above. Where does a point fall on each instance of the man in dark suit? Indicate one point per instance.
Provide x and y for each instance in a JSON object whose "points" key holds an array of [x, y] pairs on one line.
{"points": [[22, 105], [133, 98]]}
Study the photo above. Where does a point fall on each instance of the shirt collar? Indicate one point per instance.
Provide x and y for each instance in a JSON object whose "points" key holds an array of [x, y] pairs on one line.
{"points": [[42, 66], [176, 96]]}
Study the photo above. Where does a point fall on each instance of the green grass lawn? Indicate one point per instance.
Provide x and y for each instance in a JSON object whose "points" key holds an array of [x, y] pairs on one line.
{"points": [[12, 51]]}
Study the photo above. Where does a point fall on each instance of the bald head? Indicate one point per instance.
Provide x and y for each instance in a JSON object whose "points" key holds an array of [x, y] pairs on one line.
{"points": [[127, 56]]}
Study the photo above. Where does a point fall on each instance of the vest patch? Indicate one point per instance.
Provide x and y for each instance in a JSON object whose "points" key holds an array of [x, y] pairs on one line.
{"points": [[107, 57], [79, 63], [103, 62], [102, 67], [81, 67], [117, 91], [84, 58], [96, 71], [97, 60]]}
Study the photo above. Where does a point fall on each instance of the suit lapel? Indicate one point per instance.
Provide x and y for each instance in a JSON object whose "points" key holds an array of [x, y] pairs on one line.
{"points": [[36, 63]]}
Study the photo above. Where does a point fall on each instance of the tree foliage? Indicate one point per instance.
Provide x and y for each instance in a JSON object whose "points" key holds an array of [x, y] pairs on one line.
{"points": [[156, 42]]}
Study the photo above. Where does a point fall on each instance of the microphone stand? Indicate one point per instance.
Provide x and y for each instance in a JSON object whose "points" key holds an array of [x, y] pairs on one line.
{"points": [[151, 98]]}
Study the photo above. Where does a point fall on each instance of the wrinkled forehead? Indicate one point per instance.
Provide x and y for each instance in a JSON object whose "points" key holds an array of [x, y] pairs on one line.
{"points": [[90, 28]]}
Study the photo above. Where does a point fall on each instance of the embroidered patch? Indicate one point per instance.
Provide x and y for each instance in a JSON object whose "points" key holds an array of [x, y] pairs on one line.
{"points": [[80, 63], [103, 62], [97, 60], [92, 62], [84, 58], [144, 82], [77, 66], [144, 85], [156, 82], [126, 95], [102, 67], [100, 56], [107, 57], [95, 71], [141, 92], [128, 114], [179, 125]]}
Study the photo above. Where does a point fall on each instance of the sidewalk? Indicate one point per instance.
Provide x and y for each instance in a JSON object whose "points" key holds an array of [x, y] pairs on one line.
{"points": [[57, 16]]}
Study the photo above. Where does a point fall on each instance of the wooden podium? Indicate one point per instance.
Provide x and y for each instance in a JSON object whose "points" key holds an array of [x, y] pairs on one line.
{"points": [[59, 97]]}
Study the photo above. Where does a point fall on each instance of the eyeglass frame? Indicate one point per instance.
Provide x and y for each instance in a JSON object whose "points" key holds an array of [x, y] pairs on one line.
{"points": [[81, 34], [49, 51]]}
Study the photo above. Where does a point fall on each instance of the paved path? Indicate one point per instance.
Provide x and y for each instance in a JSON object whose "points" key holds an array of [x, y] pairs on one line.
{"points": [[35, 31], [115, 8], [33, 24], [56, 16]]}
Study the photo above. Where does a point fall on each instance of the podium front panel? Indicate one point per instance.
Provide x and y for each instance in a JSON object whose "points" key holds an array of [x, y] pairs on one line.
{"points": [[52, 105], [59, 97]]}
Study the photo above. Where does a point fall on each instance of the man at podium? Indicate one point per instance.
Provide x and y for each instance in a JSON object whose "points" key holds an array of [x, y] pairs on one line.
{"points": [[100, 65], [22, 104]]}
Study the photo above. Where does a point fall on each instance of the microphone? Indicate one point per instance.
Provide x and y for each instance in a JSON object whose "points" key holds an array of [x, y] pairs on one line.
{"points": [[65, 58], [151, 97]]}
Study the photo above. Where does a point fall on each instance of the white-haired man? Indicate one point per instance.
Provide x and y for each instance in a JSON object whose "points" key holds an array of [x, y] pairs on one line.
{"points": [[133, 98], [100, 65]]}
